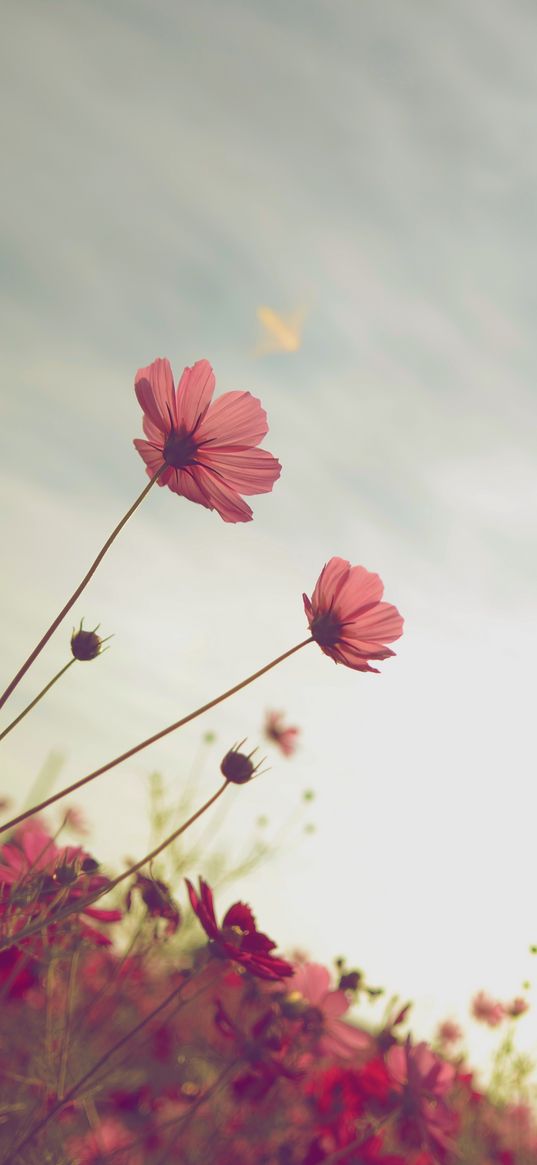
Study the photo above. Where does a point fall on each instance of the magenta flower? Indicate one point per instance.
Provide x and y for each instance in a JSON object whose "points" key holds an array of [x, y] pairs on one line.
{"points": [[310, 984], [347, 618], [238, 937], [209, 450]]}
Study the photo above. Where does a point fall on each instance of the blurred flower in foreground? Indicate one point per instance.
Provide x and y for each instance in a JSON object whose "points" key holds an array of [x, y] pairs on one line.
{"points": [[320, 1007], [36, 876], [238, 938], [347, 618], [487, 1010], [284, 736], [109, 1138], [423, 1080], [209, 450]]}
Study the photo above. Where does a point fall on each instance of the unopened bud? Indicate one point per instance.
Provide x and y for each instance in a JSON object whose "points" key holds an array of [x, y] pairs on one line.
{"points": [[237, 767], [86, 644]]}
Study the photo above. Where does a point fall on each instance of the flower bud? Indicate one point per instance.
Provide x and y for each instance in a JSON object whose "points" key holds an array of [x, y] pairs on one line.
{"points": [[238, 767], [86, 644]]}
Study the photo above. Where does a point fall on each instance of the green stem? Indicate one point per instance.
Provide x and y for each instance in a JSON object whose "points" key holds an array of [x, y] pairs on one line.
{"points": [[151, 739], [70, 602], [42, 693]]}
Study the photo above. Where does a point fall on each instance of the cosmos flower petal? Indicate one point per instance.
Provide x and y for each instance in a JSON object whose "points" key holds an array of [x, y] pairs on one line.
{"points": [[346, 654], [236, 418], [240, 915], [153, 434], [331, 579], [194, 394], [155, 391], [220, 496], [381, 624], [358, 590], [312, 980], [183, 481], [248, 471]]}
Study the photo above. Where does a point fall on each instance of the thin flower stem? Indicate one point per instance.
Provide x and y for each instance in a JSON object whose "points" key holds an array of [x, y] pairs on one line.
{"points": [[64, 1049], [80, 905], [70, 602], [76, 1087], [33, 703], [152, 739]]}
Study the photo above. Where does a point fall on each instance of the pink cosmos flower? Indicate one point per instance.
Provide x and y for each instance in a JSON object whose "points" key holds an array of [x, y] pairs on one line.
{"points": [[34, 869], [209, 450], [422, 1080], [283, 736], [347, 618], [449, 1032], [311, 984], [487, 1010], [109, 1139], [518, 1007]]}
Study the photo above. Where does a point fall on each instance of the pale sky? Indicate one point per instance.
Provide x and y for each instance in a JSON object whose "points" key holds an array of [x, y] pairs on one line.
{"points": [[168, 167]]}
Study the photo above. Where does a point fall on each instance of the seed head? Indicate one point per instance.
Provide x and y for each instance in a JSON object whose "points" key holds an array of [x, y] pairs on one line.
{"points": [[87, 644], [238, 767]]}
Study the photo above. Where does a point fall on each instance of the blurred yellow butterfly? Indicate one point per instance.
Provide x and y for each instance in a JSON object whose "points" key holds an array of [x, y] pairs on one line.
{"points": [[280, 333]]}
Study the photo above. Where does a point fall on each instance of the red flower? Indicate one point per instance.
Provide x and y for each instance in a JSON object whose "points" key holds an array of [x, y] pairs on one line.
{"points": [[347, 618], [238, 938], [209, 450]]}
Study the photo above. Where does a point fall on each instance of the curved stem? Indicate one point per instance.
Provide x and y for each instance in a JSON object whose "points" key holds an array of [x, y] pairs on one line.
{"points": [[42, 693], [152, 739], [70, 602], [79, 905]]}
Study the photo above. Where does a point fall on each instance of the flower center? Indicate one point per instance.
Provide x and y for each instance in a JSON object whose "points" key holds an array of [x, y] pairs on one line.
{"points": [[180, 449], [326, 629]]}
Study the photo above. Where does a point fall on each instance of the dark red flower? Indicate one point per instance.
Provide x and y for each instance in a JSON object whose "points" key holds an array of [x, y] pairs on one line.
{"points": [[238, 938], [158, 900]]}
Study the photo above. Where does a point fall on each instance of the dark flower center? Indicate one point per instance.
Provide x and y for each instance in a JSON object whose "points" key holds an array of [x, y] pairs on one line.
{"points": [[326, 629], [180, 449]]}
